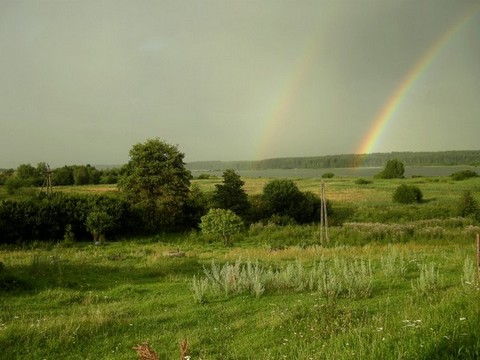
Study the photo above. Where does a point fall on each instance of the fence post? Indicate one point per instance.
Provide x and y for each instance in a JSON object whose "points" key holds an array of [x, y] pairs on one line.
{"points": [[478, 253]]}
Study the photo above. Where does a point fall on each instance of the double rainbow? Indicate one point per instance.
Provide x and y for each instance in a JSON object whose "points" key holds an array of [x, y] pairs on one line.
{"points": [[286, 97]]}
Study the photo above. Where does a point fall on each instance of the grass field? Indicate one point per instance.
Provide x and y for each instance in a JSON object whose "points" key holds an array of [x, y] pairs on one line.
{"points": [[402, 289]]}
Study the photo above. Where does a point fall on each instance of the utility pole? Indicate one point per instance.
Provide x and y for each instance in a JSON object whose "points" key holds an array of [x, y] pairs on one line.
{"points": [[323, 214], [47, 182]]}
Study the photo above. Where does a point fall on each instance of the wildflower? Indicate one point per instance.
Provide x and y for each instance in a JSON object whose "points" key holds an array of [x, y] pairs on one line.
{"points": [[463, 318]]}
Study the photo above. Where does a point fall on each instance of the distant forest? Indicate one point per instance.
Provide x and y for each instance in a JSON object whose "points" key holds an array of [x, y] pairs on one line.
{"points": [[439, 158]]}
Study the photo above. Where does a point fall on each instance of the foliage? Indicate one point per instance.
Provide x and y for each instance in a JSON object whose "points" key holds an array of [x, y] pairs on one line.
{"points": [[394, 169], [47, 217], [468, 206], [407, 194], [282, 197], [438, 158], [156, 180], [196, 206], [328, 175], [464, 174], [361, 181], [98, 223], [230, 195], [13, 184], [222, 223]]}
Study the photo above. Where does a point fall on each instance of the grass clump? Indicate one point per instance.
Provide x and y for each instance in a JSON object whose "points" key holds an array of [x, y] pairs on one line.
{"points": [[429, 280]]}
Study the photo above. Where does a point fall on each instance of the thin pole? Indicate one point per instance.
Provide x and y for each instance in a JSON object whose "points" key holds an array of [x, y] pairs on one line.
{"points": [[323, 214], [478, 254]]}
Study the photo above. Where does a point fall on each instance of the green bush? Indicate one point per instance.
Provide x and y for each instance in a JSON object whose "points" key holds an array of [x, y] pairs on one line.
{"points": [[464, 174], [328, 175], [407, 194], [222, 223], [98, 223], [282, 197], [47, 217], [363, 182]]}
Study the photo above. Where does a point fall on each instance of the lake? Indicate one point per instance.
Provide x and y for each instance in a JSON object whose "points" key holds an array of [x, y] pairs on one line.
{"points": [[355, 172]]}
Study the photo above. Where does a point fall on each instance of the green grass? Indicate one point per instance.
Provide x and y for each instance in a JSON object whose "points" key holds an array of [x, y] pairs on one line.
{"points": [[394, 282], [89, 302]]}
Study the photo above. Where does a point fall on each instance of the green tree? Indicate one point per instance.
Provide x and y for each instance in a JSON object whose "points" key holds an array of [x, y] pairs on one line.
{"points": [[156, 180], [394, 169], [29, 175], [282, 197], [468, 206], [63, 176], [81, 175], [230, 195], [222, 223]]}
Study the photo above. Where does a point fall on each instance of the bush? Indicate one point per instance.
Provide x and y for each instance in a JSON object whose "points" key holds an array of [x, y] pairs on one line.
{"points": [[328, 175], [363, 182], [464, 174], [47, 217], [283, 198], [222, 223], [407, 194], [98, 223]]}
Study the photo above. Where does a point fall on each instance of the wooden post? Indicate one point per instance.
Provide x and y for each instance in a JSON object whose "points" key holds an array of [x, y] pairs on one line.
{"points": [[478, 253]]}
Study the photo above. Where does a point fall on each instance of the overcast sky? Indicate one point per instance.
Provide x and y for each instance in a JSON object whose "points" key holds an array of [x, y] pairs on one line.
{"points": [[83, 81]]}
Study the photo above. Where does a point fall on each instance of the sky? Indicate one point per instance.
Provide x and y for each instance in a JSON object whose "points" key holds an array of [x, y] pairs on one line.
{"points": [[83, 81]]}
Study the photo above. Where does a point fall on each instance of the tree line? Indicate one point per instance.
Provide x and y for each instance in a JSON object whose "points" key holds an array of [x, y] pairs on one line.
{"points": [[155, 195], [440, 158], [27, 175]]}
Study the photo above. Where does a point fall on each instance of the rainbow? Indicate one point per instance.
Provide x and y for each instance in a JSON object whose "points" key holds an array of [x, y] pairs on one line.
{"points": [[388, 110], [280, 107]]}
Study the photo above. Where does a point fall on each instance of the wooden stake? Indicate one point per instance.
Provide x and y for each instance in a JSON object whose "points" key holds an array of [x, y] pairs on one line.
{"points": [[478, 253], [323, 214]]}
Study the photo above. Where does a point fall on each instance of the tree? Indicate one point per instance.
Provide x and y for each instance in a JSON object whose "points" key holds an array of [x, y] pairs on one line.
{"points": [[63, 176], [222, 223], [81, 175], [282, 197], [29, 175], [468, 206], [394, 169], [230, 195], [156, 180]]}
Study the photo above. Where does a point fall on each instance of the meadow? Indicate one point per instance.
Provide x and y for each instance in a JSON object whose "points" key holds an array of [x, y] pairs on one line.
{"points": [[393, 282]]}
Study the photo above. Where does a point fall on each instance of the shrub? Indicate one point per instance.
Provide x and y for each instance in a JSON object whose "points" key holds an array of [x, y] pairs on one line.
{"points": [[363, 182], [98, 223], [222, 223], [283, 198], [47, 217], [464, 174], [468, 206], [407, 194], [328, 175]]}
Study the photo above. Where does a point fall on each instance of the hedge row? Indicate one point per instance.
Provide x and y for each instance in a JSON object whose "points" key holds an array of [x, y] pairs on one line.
{"points": [[47, 217]]}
